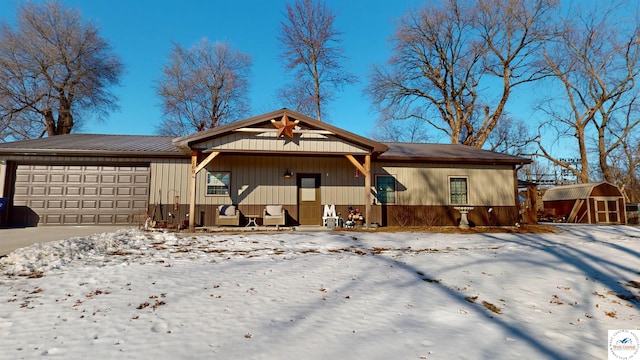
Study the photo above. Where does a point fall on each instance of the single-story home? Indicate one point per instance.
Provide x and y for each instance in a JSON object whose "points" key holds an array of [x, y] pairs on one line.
{"points": [[282, 159], [590, 203]]}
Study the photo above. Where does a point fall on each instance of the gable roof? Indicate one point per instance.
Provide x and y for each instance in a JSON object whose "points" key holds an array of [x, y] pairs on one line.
{"points": [[571, 192], [91, 144], [264, 120], [166, 146]]}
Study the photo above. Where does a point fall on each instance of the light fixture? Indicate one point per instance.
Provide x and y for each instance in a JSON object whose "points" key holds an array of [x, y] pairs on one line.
{"points": [[287, 174]]}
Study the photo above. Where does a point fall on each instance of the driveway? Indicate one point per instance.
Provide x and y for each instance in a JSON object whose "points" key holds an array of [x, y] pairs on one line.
{"points": [[11, 239]]}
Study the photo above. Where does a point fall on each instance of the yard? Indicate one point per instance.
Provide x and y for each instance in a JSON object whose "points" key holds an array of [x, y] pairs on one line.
{"points": [[318, 295]]}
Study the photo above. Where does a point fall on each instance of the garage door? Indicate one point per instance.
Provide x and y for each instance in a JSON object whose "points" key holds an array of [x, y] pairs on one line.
{"points": [[82, 195]]}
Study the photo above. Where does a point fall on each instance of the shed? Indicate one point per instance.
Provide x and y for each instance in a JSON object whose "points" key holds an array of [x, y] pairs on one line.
{"points": [[590, 203]]}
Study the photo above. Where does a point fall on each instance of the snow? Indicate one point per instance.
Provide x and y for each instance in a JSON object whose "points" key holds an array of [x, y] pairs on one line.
{"points": [[319, 295]]}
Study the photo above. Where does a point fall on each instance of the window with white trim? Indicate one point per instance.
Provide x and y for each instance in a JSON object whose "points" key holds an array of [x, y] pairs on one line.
{"points": [[386, 189], [218, 183], [458, 190]]}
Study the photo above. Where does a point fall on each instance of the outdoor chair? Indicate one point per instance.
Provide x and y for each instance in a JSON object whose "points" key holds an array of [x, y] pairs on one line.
{"points": [[330, 218], [274, 215], [227, 215]]}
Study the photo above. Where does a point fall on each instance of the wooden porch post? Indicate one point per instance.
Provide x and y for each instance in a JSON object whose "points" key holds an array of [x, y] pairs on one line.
{"points": [[367, 190], [366, 171], [195, 169], [192, 191]]}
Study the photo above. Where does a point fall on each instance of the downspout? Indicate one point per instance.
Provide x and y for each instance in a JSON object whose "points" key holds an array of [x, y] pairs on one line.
{"points": [[515, 184]]}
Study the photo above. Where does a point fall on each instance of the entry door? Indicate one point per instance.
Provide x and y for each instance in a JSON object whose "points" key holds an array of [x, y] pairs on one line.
{"points": [[309, 206], [607, 211]]}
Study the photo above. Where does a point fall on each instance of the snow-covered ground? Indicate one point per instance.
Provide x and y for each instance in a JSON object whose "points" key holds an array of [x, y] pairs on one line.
{"points": [[334, 295]]}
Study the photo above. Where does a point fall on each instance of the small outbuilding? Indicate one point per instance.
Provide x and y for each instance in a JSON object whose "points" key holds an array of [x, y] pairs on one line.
{"points": [[591, 203]]}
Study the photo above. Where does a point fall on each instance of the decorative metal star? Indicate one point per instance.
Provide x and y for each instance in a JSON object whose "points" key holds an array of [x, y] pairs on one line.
{"points": [[285, 126]]}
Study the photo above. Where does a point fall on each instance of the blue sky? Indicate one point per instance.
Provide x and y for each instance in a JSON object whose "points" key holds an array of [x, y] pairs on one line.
{"points": [[142, 32]]}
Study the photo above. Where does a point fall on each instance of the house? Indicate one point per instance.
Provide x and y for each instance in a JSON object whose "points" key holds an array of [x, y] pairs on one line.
{"points": [[590, 203], [279, 158]]}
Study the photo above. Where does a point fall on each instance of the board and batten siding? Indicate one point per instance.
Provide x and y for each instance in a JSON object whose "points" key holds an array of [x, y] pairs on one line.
{"points": [[268, 141], [169, 178], [258, 180], [428, 184], [3, 176]]}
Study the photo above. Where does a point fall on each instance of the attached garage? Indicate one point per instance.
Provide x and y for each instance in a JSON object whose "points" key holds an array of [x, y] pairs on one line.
{"points": [[82, 179], [79, 194], [591, 203]]}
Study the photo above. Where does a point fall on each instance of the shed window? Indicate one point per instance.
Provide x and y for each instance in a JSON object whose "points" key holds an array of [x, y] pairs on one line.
{"points": [[458, 190], [386, 189], [218, 183]]}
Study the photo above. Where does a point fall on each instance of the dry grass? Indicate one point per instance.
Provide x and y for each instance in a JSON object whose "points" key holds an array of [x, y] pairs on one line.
{"points": [[529, 229], [491, 307]]}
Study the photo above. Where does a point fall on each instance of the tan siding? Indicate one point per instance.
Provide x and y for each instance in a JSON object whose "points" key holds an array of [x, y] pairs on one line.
{"points": [[314, 143], [428, 184], [170, 178], [260, 179], [3, 175]]}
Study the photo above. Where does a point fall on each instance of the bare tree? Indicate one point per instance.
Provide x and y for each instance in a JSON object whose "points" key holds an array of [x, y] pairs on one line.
{"points": [[456, 64], [596, 66], [53, 66], [312, 53], [511, 136], [410, 130], [203, 87], [623, 167]]}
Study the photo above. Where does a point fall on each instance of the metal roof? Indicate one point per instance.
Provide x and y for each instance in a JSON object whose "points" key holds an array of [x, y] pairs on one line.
{"points": [[569, 192], [447, 153], [143, 145], [88, 144]]}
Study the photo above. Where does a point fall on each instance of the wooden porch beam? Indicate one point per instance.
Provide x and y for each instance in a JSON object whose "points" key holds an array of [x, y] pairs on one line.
{"points": [[195, 169]]}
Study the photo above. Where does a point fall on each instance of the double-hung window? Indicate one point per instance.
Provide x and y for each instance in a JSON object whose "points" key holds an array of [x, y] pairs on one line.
{"points": [[458, 190], [386, 189], [218, 183]]}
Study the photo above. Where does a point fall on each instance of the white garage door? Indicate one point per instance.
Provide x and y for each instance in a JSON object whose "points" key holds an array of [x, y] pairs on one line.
{"points": [[83, 195]]}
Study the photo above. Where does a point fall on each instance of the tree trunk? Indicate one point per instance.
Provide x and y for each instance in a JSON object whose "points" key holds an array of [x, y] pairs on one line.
{"points": [[49, 122], [65, 122]]}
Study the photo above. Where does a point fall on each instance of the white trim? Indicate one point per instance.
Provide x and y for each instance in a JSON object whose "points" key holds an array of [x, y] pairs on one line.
{"points": [[295, 131], [466, 177]]}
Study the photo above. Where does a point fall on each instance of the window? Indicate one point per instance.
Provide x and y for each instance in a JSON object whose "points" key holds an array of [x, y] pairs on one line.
{"points": [[218, 183], [386, 189], [458, 190]]}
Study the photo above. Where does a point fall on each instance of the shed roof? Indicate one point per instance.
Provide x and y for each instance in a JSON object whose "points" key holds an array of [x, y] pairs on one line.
{"points": [[571, 192]]}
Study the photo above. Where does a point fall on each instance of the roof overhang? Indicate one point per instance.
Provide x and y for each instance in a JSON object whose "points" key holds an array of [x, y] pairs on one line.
{"points": [[263, 124]]}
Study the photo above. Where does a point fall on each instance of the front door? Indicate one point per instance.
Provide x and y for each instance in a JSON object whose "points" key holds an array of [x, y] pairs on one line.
{"points": [[309, 206]]}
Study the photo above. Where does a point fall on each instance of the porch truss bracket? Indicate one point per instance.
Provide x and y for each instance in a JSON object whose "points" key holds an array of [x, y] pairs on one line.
{"points": [[195, 169], [357, 164]]}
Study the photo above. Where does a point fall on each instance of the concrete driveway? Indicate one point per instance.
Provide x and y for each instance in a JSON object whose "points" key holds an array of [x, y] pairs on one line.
{"points": [[11, 239]]}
